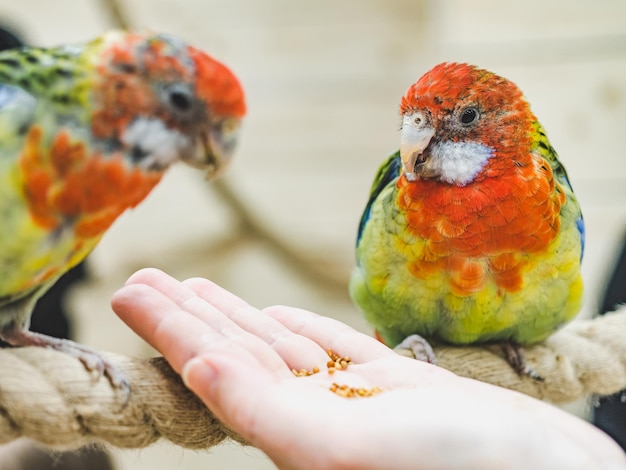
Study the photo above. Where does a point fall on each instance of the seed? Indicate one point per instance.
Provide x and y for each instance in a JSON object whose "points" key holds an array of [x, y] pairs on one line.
{"points": [[305, 372], [336, 361], [353, 392]]}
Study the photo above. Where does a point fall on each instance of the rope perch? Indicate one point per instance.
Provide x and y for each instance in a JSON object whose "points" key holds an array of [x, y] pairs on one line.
{"points": [[50, 397], [584, 358]]}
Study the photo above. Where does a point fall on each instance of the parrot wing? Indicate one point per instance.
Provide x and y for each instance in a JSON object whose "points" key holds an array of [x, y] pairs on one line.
{"points": [[387, 174], [17, 112], [544, 149]]}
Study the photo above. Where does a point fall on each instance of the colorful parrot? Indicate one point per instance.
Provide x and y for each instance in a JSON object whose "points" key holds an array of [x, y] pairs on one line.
{"points": [[472, 232], [86, 132]]}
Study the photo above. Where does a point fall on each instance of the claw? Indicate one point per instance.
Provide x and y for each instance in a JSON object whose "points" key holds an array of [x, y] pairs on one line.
{"points": [[91, 359], [514, 355], [417, 347]]}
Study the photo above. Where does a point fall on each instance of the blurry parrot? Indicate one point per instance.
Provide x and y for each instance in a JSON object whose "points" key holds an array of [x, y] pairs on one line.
{"points": [[86, 132], [472, 232]]}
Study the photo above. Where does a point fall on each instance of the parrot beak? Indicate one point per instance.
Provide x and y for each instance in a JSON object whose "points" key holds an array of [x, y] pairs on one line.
{"points": [[415, 136], [215, 148]]}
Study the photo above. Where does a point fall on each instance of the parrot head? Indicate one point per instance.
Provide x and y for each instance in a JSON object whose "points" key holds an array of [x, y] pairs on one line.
{"points": [[461, 123], [159, 100]]}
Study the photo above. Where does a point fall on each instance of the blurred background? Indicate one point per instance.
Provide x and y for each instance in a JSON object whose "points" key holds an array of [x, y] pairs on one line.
{"points": [[323, 82]]}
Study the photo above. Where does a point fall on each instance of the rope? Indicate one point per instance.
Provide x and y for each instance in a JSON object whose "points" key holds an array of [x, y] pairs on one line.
{"points": [[584, 358], [50, 397]]}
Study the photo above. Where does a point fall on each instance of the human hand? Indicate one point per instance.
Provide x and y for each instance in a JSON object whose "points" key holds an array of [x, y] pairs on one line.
{"points": [[239, 362]]}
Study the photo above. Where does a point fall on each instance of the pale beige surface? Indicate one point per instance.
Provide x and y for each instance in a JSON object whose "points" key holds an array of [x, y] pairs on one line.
{"points": [[323, 81]]}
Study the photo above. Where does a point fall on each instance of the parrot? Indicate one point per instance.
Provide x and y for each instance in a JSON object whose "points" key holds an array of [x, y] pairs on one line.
{"points": [[86, 132], [472, 233]]}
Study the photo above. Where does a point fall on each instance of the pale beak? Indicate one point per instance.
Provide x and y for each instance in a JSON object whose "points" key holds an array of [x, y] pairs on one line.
{"points": [[214, 149], [415, 136]]}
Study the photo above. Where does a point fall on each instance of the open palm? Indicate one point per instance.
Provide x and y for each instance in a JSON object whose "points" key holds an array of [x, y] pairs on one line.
{"points": [[240, 361]]}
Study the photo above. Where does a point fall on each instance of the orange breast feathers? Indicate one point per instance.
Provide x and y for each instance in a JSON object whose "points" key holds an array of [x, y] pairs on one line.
{"points": [[65, 182], [492, 225]]}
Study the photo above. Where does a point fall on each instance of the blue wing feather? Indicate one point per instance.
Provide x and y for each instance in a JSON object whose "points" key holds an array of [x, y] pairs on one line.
{"points": [[17, 112], [7, 94], [387, 174], [561, 176]]}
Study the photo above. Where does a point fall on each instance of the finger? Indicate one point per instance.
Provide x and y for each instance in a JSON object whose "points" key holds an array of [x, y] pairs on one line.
{"points": [[330, 333], [157, 319], [297, 351], [232, 387], [263, 408], [186, 299]]}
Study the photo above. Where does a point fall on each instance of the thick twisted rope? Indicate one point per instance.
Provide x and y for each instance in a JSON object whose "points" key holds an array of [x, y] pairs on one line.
{"points": [[584, 358], [50, 397]]}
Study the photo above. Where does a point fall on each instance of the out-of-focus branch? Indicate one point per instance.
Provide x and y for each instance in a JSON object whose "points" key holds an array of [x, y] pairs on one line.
{"points": [[307, 267], [116, 13]]}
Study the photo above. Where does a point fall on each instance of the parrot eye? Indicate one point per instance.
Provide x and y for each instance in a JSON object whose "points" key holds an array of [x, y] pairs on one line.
{"points": [[180, 100], [179, 97], [469, 116]]}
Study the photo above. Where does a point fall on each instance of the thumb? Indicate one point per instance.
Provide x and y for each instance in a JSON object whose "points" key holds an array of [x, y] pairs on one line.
{"points": [[231, 388]]}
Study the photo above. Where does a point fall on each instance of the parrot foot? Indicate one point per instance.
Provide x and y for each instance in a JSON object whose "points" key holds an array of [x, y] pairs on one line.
{"points": [[514, 355], [417, 347], [91, 359]]}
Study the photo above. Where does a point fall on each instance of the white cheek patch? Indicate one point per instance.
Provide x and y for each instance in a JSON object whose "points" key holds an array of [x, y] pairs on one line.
{"points": [[158, 145], [458, 162]]}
